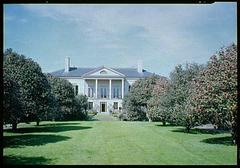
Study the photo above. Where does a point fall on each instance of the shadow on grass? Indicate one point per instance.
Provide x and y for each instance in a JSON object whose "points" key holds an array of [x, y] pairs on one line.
{"points": [[167, 125], [52, 128], [18, 141], [19, 160], [227, 140], [199, 131], [56, 124]]}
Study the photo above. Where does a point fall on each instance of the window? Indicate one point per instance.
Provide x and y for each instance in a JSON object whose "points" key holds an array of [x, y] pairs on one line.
{"points": [[113, 92], [75, 88], [103, 92], [90, 92], [90, 105], [115, 105], [116, 93], [103, 72]]}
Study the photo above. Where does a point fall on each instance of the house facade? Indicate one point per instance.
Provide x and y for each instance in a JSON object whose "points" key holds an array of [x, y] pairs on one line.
{"points": [[105, 87]]}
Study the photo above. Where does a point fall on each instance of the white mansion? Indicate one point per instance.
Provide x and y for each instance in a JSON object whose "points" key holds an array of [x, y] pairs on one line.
{"points": [[105, 87]]}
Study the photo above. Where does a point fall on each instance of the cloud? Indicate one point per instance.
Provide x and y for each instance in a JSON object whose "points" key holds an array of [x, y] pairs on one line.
{"points": [[157, 31]]}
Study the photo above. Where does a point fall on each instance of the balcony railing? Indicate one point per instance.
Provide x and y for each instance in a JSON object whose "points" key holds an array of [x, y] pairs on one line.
{"points": [[105, 97]]}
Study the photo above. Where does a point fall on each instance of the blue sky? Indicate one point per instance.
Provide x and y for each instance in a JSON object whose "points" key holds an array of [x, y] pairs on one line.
{"points": [[162, 35]]}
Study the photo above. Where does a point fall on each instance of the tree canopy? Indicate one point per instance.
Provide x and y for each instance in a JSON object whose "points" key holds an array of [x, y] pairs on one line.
{"points": [[32, 83]]}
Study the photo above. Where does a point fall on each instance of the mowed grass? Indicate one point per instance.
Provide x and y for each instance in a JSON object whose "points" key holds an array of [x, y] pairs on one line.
{"points": [[115, 142]]}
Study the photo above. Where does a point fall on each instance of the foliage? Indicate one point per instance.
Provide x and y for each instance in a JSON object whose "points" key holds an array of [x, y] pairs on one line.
{"points": [[80, 105], [173, 102], [33, 85], [214, 94], [12, 107], [135, 103], [92, 112], [64, 96], [123, 116], [156, 110]]}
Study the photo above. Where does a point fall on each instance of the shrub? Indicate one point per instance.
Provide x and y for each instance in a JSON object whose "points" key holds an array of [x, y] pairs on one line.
{"points": [[80, 105], [92, 112], [115, 113], [123, 116]]}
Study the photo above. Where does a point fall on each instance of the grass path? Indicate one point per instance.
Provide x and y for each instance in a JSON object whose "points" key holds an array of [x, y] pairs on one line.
{"points": [[119, 142]]}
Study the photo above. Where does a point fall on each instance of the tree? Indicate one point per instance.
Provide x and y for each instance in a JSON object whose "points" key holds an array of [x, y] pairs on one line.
{"points": [[156, 110], [64, 96], [12, 107], [135, 103], [80, 106], [174, 101], [213, 96], [33, 85]]}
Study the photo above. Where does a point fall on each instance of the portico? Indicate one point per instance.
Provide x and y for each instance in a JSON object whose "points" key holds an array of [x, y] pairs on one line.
{"points": [[105, 94], [101, 88]]}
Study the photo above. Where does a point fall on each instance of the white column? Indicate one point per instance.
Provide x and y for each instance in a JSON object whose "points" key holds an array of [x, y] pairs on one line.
{"points": [[96, 88], [122, 88], [110, 89]]}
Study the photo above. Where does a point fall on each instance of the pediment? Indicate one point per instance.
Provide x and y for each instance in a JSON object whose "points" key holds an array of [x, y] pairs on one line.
{"points": [[104, 72]]}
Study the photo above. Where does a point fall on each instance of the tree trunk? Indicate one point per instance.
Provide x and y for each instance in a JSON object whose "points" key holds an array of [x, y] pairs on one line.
{"points": [[164, 123], [188, 129], [149, 119], [14, 126], [38, 123]]}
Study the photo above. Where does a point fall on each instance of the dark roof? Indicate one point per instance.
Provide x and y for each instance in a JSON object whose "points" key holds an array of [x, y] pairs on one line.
{"points": [[78, 72]]}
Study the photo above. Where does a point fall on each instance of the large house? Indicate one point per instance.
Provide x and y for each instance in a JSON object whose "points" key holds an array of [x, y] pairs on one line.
{"points": [[105, 87]]}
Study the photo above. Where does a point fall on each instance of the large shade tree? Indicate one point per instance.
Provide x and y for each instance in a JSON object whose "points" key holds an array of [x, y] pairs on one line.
{"points": [[155, 108], [213, 96], [33, 85], [12, 107], [174, 101]]}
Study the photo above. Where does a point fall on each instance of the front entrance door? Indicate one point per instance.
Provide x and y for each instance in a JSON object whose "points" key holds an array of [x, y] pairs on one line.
{"points": [[103, 106]]}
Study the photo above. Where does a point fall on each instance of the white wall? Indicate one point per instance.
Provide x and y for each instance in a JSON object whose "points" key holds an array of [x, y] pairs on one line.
{"points": [[79, 82], [127, 83], [83, 85], [83, 89]]}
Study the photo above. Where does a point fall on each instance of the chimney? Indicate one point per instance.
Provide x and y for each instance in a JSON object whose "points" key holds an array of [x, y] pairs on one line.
{"points": [[67, 64], [140, 66]]}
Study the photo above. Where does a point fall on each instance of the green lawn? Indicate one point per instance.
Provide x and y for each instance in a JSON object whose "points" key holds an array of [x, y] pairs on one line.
{"points": [[115, 142]]}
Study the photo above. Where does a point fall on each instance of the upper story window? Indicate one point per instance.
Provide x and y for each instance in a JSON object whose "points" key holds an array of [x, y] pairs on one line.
{"points": [[75, 87], [90, 92], [116, 92], [103, 72], [103, 92]]}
